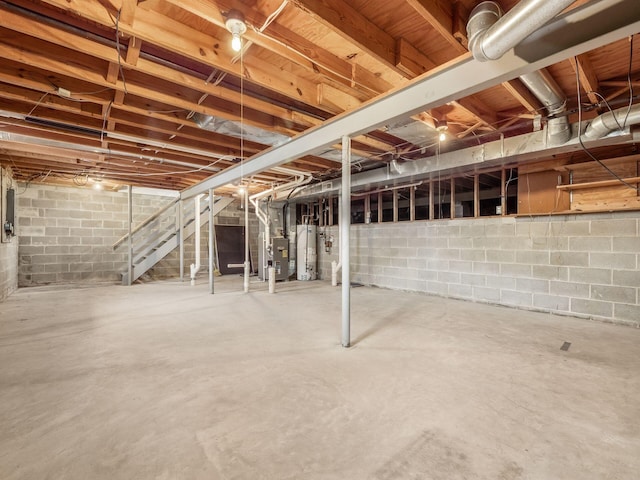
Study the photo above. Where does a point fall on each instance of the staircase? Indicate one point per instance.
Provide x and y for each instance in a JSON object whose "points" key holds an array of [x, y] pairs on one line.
{"points": [[159, 235]]}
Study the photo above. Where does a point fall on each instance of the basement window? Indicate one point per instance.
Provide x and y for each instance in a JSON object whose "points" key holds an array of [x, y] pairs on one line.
{"points": [[442, 199], [357, 210], [373, 208], [490, 192], [511, 191], [464, 197], [335, 207], [404, 204], [387, 206], [422, 202]]}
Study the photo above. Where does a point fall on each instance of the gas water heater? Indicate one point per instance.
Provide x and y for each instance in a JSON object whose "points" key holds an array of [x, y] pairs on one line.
{"points": [[307, 255]]}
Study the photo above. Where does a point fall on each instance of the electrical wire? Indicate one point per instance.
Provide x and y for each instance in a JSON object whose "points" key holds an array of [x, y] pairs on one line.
{"points": [[118, 47], [626, 117], [38, 103], [586, 150]]}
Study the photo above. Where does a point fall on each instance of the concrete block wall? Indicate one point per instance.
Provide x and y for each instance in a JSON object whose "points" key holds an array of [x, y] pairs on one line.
{"points": [[8, 244], [233, 214], [66, 234], [582, 265]]}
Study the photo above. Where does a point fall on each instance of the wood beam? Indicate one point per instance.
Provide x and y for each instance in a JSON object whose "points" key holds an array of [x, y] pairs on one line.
{"points": [[410, 60], [81, 44], [289, 45], [347, 22], [521, 93], [195, 45], [587, 75], [478, 110], [441, 17]]}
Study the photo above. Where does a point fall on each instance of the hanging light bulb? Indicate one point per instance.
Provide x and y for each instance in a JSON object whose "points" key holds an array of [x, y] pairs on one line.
{"points": [[441, 128], [236, 42], [236, 26]]}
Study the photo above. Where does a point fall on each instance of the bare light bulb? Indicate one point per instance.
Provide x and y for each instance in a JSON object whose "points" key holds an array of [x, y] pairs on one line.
{"points": [[236, 42], [442, 137]]}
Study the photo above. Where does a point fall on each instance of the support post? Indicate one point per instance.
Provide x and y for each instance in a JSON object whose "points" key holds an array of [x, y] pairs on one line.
{"points": [[195, 267], [247, 260], [181, 237], [345, 221], [211, 241], [130, 241], [272, 280]]}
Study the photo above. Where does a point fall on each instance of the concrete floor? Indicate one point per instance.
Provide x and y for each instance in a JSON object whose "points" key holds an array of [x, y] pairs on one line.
{"points": [[163, 381]]}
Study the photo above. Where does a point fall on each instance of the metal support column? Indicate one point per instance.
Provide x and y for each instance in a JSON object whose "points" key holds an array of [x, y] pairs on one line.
{"points": [[129, 241], [211, 240], [181, 237], [247, 260], [345, 221]]}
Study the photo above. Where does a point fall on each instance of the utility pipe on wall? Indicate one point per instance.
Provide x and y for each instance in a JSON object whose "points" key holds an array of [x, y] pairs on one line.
{"points": [[301, 179], [195, 267], [345, 221]]}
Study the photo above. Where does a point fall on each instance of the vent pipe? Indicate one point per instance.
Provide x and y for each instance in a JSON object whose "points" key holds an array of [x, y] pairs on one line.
{"points": [[491, 34], [545, 88], [608, 122]]}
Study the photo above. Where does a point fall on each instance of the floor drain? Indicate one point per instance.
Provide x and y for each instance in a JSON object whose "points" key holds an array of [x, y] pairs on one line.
{"points": [[565, 346]]}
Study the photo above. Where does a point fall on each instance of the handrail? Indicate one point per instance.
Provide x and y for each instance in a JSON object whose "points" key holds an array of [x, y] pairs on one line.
{"points": [[146, 222]]}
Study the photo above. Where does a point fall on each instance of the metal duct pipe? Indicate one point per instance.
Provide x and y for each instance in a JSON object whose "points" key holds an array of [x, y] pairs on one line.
{"points": [[545, 88], [610, 121], [44, 142], [491, 34]]}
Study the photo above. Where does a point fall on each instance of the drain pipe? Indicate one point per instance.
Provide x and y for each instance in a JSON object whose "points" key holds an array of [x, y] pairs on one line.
{"points": [[247, 260], [545, 88], [301, 179], [336, 266], [491, 34], [608, 122], [195, 267]]}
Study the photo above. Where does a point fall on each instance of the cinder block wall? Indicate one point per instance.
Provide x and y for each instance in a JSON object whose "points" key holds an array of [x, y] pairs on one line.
{"points": [[233, 214], [8, 246], [66, 235], [584, 265]]}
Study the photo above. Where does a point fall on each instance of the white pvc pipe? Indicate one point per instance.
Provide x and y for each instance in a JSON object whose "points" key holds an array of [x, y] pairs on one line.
{"points": [[211, 240], [181, 238], [247, 260], [272, 280], [301, 179], [345, 220], [195, 267]]}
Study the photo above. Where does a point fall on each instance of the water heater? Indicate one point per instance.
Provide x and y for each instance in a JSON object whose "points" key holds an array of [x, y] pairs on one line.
{"points": [[307, 255]]}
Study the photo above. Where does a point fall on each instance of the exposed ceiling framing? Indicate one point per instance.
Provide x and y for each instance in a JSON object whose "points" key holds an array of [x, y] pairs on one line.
{"points": [[112, 89]]}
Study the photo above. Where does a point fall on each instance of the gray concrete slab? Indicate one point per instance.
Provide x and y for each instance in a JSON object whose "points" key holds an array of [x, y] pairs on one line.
{"points": [[164, 381]]}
